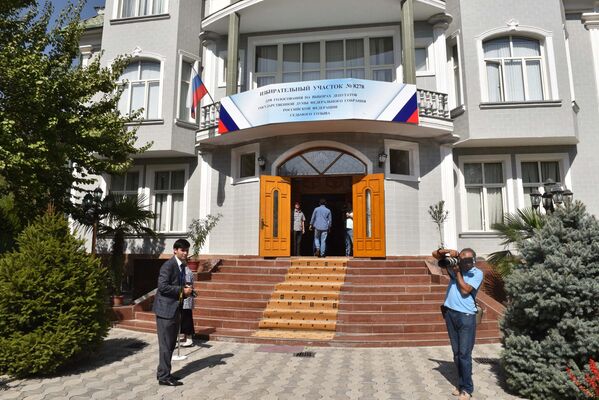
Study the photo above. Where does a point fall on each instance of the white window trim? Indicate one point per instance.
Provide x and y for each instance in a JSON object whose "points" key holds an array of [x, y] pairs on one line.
{"points": [[117, 6], [357, 33], [564, 164], [150, 179], [545, 38], [508, 204], [455, 41], [413, 149], [236, 154], [222, 78], [428, 45], [195, 61]]}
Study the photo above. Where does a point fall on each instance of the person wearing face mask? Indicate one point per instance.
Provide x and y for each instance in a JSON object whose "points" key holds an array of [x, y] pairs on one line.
{"points": [[459, 312]]}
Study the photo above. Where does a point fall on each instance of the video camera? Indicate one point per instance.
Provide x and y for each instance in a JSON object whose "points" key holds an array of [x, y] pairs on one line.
{"points": [[448, 261]]}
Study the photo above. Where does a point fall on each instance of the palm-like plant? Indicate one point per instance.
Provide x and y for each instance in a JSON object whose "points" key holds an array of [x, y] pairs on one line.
{"points": [[125, 215], [515, 228]]}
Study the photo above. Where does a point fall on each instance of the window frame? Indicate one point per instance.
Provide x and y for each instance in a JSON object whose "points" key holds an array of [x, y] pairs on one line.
{"points": [[456, 89], [140, 187], [194, 61], [118, 9], [425, 43], [160, 80], [222, 69], [563, 160], [236, 154], [151, 177], [413, 149], [323, 37], [507, 189]]}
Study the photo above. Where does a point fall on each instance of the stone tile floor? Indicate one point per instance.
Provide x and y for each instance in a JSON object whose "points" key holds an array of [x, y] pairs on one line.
{"points": [[125, 368]]}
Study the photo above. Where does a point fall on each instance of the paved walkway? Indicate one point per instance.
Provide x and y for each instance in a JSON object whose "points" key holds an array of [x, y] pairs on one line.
{"points": [[125, 368]]}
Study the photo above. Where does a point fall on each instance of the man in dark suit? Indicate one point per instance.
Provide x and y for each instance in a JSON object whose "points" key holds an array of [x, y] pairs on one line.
{"points": [[169, 295]]}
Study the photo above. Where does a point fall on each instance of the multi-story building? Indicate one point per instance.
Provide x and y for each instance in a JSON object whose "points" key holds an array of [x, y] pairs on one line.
{"points": [[507, 98]]}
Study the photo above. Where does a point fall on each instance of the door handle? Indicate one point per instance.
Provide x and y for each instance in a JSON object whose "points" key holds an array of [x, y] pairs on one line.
{"points": [[262, 224]]}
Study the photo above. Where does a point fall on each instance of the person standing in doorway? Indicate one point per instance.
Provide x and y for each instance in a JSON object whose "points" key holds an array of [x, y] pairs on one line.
{"points": [[349, 232], [321, 223], [298, 227]]}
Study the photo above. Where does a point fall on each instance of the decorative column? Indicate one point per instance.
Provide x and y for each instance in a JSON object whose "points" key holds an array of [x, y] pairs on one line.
{"points": [[408, 58], [591, 23], [233, 54], [440, 23]]}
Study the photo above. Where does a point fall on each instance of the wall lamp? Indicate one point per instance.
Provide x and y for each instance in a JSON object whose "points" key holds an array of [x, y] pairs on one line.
{"points": [[261, 162], [382, 159]]}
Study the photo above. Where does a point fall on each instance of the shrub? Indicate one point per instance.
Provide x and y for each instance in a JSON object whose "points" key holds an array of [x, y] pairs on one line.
{"points": [[52, 300], [552, 317]]}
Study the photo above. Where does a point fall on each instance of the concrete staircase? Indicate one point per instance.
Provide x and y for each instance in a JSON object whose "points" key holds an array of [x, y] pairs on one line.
{"points": [[325, 302]]}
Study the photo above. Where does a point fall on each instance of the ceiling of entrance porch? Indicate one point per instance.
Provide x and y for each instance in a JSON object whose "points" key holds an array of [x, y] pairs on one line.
{"points": [[283, 15]]}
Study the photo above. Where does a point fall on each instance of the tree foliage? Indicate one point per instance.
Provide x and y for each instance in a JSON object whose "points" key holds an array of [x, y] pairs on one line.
{"points": [[552, 317], [59, 122], [52, 300]]}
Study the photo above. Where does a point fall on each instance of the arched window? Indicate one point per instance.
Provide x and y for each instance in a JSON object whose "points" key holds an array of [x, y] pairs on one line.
{"points": [[141, 80], [514, 67], [317, 162]]}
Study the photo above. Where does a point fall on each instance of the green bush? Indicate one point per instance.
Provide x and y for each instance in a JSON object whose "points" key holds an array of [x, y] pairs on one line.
{"points": [[552, 317], [52, 300]]}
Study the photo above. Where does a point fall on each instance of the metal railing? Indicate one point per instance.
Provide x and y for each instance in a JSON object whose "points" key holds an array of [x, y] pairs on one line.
{"points": [[431, 104]]}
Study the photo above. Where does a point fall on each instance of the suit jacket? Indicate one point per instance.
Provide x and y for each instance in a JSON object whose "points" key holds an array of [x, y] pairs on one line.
{"points": [[166, 301]]}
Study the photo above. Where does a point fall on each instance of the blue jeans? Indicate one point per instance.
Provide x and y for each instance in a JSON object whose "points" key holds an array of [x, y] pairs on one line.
{"points": [[349, 241], [320, 241], [462, 332]]}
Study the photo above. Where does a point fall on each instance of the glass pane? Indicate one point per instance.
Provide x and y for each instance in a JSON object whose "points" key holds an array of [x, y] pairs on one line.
{"points": [[162, 179], [346, 164], [530, 172], [265, 80], [535, 83], [421, 60], [150, 70], [159, 6], [153, 97], [297, 166], [128, 7], [524, 47], [321, 159], [494, 206], [356, 73], [527, 191], [493, 173], [399, 162], [266, 58], [335, 74], [514, 81], [247, 165], [132, 183], [275, 214], [354, 50], [382, 75], [184, 111], [368, 213], [311, 76], [334, 54], [124, 101], [178, 180], [160, 211], [177, 212], [473, 173], [137, 95], [494, 81], [186, 71], [381, 51], [475, 221], [131, 72], [291, 57], [311, 53], [117, 183], [144, 7], [291, 77], [550, 170], [497, 48]]}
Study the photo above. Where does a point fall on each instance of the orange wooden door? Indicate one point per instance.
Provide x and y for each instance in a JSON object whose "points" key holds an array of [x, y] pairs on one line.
{"points": [[368, 194], [275, 216]]}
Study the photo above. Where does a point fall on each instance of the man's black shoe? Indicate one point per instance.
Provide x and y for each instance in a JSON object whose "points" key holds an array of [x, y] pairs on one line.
{"points": [[170, 382], [316, 253], [175, 377]]}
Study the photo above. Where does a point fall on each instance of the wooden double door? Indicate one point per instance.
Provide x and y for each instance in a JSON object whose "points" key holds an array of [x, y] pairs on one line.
{"points": [[368, 203]]}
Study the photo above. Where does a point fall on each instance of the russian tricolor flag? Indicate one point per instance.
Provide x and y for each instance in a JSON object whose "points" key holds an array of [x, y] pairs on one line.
{"points": [[197, 92]]}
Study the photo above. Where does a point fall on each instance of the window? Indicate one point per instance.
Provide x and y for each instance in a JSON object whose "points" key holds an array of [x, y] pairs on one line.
{"points": [[247, 165], [168, 200], [316, 162], [485, 186], [421, 59], [125, 185], [141, 81], [403, 161], [534, 169], [514, 68], [222, 68], [244, 164], [140, 8], [185, 83], [361, 58], [457, 77]]}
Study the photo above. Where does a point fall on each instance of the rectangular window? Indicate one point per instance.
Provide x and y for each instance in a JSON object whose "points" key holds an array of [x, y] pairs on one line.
{"points": [[185, 82], [247, 165], [169, 196], [403, 161], [485, 186], [421, 60], [141, 89], [399, 162], [457, 76], [125, 185], [535, 173], [140, 8]]}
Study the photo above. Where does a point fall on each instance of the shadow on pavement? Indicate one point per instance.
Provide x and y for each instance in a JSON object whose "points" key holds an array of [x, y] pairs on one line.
{"points": [[198, 365], [112, 350], [447, 369]]}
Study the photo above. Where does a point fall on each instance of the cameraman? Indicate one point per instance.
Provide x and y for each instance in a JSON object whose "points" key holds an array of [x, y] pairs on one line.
{"points": [[459, 312]]}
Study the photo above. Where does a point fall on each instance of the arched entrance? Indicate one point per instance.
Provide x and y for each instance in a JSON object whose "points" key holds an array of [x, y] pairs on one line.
{"points": [[308, 174]]}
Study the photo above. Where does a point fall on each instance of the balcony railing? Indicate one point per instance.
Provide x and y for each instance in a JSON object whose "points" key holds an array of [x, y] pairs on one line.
{"points": [[431, 104]]}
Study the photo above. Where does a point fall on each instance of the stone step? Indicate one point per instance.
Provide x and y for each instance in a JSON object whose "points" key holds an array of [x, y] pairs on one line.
{"points": [[305, 295], [319, 262], [253, 269], [276, 323], [249, 262], [303, 286], [316, 270], [421, 328], [234, 286], [410, 307], [387, 271], [303, 304], [389, 317], [398, 263], [203, 303], [350, 297], [206, 294], [239, 277], [299, 315], [315, 277], [218, 323], [382, 337], [376, 280], [420, 289], [241, 314]]}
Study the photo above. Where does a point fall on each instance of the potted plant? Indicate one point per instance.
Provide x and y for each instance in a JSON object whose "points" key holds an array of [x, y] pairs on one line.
{"points": [[198, 233], [439, 216]]}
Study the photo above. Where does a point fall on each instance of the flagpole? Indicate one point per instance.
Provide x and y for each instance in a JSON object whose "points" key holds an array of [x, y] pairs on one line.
{"points": [[207, 92]]}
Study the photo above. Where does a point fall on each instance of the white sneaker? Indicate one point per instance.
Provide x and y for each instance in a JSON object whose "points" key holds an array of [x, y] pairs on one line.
{"points": [[187, 343]]}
